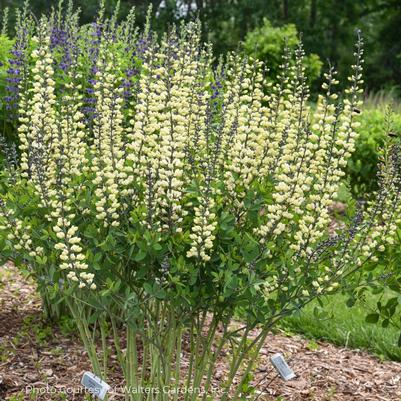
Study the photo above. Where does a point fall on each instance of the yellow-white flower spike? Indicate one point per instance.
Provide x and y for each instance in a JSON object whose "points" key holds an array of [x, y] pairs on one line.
{"points": [[107, 163], [203, 228], [39, 136], [243, 156]]}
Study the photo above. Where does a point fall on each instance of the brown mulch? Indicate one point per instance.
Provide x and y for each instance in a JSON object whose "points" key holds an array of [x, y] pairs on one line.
{"points": [[34, 355]]}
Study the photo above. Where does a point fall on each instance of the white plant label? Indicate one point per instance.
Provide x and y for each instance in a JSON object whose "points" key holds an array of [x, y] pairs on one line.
{"points": [[282, 367], [95, 385]]}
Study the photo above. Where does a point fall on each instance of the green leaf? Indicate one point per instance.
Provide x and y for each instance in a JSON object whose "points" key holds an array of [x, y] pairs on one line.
{"points": [[94, 317], [160, 293], [372, 318], [141, 255], [148, 288]]}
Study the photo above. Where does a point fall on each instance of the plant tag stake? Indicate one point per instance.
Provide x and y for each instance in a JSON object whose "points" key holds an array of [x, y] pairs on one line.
{"points": [[95, 385], [282, 367]]}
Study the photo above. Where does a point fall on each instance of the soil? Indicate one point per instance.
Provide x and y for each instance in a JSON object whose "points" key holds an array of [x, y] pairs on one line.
{"points": [[39, 361]]}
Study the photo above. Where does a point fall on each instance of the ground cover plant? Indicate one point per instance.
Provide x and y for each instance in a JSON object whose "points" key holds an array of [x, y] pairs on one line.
{"points": [[334, 321], [157, 192]]}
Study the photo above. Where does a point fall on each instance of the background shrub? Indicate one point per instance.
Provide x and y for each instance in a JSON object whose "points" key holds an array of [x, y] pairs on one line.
{"points": [[267, 43], [362, 166]]}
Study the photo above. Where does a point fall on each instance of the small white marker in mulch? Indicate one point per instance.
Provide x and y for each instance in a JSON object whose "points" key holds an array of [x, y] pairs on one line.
{"points": [[95, 385], [282, 367]]}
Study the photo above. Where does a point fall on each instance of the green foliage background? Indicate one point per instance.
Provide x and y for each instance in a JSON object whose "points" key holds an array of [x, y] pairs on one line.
{"points": [[328, 26]]}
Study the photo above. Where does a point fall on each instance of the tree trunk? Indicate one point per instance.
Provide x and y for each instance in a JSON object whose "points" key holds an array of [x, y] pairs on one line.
{"points": [[313, 14], [285, 10]]}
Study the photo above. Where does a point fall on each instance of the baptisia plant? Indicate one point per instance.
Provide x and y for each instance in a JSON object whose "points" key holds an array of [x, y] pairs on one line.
{"points": [[188, 194]]}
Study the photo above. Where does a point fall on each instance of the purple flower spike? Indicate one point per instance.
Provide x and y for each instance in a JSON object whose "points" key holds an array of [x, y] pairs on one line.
{"points": [[14, 73]]}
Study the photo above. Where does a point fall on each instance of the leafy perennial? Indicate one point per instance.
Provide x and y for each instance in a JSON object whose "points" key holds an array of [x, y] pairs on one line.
{"points": [[179, 194]]}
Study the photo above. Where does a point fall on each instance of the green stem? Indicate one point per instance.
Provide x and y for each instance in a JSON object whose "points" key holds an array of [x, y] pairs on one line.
{"points": [[249, 367], [205, 354], [191, 359], [178, 360], [132, 363], [212, 363], [238, 359], [170, 345], [105, 355], [144, 361], [83, 329], [116, 340]]}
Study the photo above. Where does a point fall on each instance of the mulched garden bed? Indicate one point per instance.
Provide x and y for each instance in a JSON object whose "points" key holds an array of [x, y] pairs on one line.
{"points": [[39, 362]]}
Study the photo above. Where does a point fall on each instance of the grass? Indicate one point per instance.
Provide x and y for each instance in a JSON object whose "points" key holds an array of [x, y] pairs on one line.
{"points": [[381, 99], [345, 326]]}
